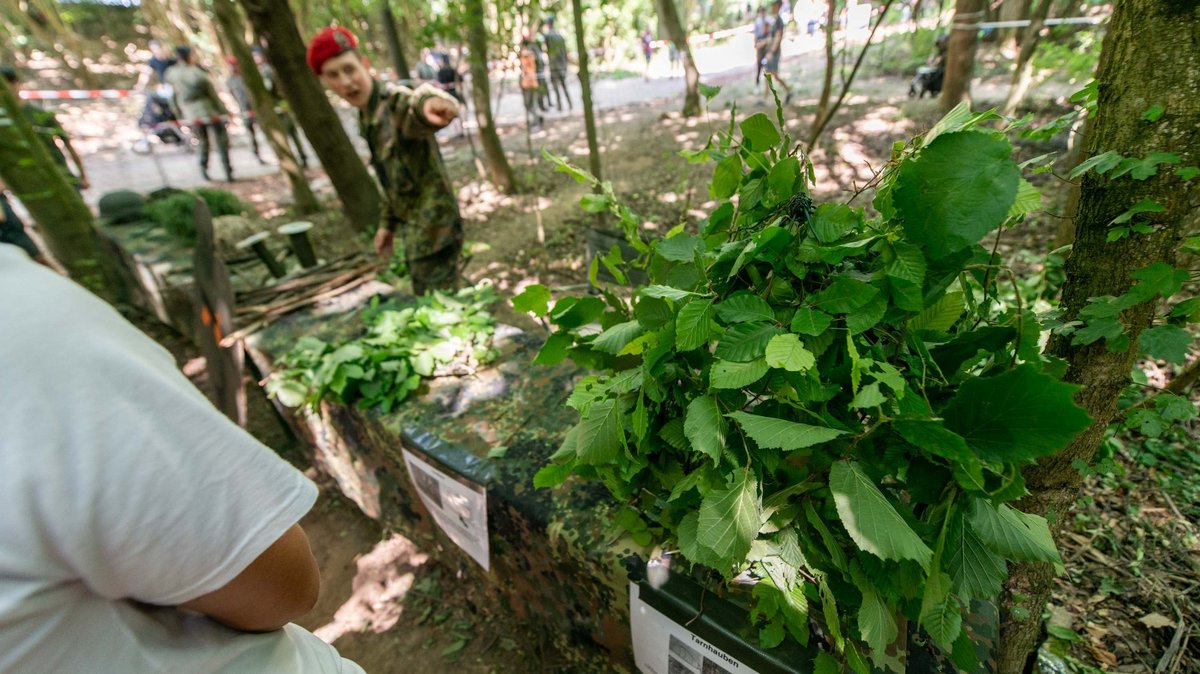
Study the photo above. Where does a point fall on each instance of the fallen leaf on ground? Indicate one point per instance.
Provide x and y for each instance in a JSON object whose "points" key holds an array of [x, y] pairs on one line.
{"points": [[1156, 620]]}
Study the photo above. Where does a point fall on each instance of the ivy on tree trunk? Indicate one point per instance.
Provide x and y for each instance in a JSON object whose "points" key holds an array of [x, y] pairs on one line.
{"points": [[1132, 77], [285, 50]]}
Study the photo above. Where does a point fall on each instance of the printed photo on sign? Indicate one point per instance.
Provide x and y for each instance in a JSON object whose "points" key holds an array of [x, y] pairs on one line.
{"points": [[457, 506], [663, 646]]}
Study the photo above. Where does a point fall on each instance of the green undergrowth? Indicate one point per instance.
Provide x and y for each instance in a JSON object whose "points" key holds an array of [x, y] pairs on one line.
{"points": [[175, 212]]}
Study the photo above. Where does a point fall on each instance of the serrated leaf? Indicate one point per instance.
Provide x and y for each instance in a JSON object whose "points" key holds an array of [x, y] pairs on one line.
{"points": [[601, 434], [1012, 534], [1102, 163], [843, 295], [934, 438], [612, 340], [759, 132], [870, 518], [908, 264], [832, 221], [876, 624], [653, 313], [1168, 342], [672, 434], [940, 615], [639, 421], [1016, 416], [810, 321], [744, 307], [571, 312], [666, 292], [958, 188], [729, 520], [704, 427], [941, 315], [787, 353], [679, 248], [772, 433], [1158, 279], [725, 374], [745, 342], [867, 316], [975, 571], [1028, 200], [535, 299], [689, 544], [693, 325], [551, 475], [554, 351], [867, 397]]}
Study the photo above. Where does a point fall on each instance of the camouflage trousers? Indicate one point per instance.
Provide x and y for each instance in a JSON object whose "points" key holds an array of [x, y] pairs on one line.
{"points": [[432, 251]]}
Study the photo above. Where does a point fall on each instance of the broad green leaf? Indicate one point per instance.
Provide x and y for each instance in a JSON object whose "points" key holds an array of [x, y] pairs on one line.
{"points": [[1028, 200], [940, 615], [867, 397], [909, 264], [653, 312], [843, 295], [688, 536], [1011, 533], [726, 178], [876, 625], [975, 571], [725, 374], [707, 90], [666, 293], [871, 520], [693, 325], [772, 433], [759, 132], [833, 221], [614, 339], [1154, 112], [551, 475], [704, 427], [955, 120], [771, 635], [743, 307], [571, 312], [867, 316], [745, 342], [1168, 342], [672, 433], [1103, 162], [787, 353], [906, 295], [554, 351], [288, 392], [826, 664], [595, 203], [639, 421], [810, 321], [679, 248], [958, 188], [729, 520], [933, 437], [941, 315], [1143, 206], [601, 434], [1158, 279], [1016, 416], [535, 299], [782, 179]]}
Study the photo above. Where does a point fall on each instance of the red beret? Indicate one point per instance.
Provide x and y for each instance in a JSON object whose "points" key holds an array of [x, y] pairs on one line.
{"points": [[328, 43]]}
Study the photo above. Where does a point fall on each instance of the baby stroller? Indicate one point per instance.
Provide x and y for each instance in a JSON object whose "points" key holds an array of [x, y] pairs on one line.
{"points": [[928, 79], [159, 120]]}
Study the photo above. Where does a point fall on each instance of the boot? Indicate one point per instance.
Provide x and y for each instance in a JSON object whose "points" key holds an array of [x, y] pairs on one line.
{"points": [[204, 174]]}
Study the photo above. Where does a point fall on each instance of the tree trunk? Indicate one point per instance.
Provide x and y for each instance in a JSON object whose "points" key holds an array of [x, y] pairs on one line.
{"points": [[1023, 71], [1131, 76], [285, 50], [155, 13], [233, 28], [827, 82], [493, 150], [585, 83], [677, 32], [65, 222], [1014, 10], [960, 57], [392, 35]]}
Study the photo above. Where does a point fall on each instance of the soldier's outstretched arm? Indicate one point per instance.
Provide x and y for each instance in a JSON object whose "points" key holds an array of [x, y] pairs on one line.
{"points": [[423, 111]]}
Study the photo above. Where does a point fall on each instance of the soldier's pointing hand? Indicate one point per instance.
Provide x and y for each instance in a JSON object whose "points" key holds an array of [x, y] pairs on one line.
{"points": [[439, 111]]}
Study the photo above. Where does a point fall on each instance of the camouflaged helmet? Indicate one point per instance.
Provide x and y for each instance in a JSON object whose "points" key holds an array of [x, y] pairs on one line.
{"points": [[122, 206]]}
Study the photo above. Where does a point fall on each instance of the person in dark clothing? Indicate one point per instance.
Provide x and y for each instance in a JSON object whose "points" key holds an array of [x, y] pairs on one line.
{"points": [[197, 104], [556, 52], [774, 51], [156, 68]]}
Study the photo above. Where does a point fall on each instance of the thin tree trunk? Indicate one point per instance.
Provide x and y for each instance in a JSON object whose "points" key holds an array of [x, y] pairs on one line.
{"points": [[233, 27], [392, 34], [960, 57], [1014, 10], [493, 149], [822, 120], [1131, 76], [285, 50], [677, 32], [827, 82], [585, 83], [65, 222], [1023, 70]]}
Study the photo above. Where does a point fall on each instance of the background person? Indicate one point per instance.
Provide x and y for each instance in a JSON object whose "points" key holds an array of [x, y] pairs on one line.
{"points": [[398, 124], [198, 105], [556, 53]]}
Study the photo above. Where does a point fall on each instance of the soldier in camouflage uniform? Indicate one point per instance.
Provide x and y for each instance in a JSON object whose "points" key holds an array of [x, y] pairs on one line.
{"points": [[48, 128], [556, 52], [197, 104], [398, 124]]}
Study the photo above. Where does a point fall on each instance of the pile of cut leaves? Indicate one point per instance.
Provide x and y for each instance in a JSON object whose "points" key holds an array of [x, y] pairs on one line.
{"points": [[400, 346]]}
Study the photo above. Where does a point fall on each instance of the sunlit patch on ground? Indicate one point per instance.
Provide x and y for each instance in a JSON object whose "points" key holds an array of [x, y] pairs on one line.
{"points": [[385, 574]]}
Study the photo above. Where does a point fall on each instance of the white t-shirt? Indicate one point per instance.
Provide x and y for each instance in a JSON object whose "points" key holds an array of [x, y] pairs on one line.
{"points": [[123, 492]]}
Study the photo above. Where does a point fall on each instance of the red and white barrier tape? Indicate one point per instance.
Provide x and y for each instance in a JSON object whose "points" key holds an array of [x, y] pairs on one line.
{"points": [[74, 94]]}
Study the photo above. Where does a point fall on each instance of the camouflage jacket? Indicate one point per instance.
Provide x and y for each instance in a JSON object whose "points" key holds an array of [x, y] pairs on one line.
{"points": [[194, 94], [407, 160]]}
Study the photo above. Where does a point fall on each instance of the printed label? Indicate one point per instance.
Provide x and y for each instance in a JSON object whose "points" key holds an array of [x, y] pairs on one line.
{"points": [[663, 646], [460, 510]]}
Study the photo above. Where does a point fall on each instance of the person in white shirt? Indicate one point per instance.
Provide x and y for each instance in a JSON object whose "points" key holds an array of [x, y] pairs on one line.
{"points": [[140, 530]]}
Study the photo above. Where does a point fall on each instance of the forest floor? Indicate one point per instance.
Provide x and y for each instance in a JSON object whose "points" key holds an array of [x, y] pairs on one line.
{"points": [[1128, 600]]}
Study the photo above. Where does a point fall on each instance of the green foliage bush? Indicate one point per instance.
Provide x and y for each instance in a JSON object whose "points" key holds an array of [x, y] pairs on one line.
{"points": [[832, 403], [174, 212]]}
